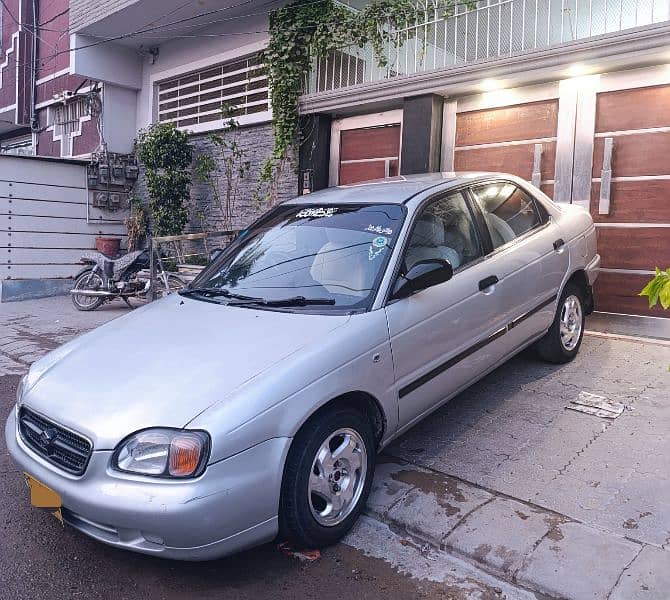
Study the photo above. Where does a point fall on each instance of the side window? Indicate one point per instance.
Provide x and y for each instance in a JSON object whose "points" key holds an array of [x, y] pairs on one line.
{"points": [[508, 211], [444, 229]]}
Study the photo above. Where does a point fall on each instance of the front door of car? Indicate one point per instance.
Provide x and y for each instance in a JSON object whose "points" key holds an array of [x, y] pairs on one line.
{"points": [[441, 337]]}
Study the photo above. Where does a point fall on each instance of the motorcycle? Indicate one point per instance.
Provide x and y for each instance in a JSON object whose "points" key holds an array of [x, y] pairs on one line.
{"points": [[105, 279]]}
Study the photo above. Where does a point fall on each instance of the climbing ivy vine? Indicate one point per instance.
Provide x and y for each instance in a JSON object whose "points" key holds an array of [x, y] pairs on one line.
{"points": [[307, 29]]}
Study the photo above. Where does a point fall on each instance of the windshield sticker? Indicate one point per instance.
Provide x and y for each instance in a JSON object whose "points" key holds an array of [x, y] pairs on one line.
{"points": [[379, 229], [374, 252], [379, 242], [312, 213]]}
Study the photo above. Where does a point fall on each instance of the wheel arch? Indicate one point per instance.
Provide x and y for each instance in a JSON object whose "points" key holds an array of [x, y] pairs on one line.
{"points": [[580, 279], [359, 400]]}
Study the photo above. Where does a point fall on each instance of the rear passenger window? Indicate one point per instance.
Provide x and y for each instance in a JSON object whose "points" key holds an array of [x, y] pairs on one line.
{"points": [[508, 211]]}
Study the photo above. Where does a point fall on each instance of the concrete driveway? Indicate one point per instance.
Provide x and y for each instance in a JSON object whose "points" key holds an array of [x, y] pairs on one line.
{"points": [[503, 486], [566, 503]]}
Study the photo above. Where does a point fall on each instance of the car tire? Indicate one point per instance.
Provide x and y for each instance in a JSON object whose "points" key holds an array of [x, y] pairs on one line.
{"points": [[335, 449], [562, 342]]}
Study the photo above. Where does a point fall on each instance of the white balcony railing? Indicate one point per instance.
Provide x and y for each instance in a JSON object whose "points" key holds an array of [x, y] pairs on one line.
{"points": [[495, 28]]}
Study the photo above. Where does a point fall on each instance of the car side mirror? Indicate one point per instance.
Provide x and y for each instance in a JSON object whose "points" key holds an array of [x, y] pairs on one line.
{"points": [[214, 254], [424, 274]]}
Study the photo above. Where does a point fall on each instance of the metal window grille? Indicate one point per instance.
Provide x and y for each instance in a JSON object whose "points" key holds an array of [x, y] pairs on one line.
{"points": [[197, 97], [66, 118], [19, 146]]}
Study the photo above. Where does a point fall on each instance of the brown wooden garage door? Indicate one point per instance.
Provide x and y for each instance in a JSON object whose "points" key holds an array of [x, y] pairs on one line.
{"points": [[505, 139], [369, 153], [634, 236]]}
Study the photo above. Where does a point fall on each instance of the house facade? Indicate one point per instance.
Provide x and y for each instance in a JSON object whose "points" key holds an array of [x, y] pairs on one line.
{"points": [[178, 63], [573, 95], [45, 107]]}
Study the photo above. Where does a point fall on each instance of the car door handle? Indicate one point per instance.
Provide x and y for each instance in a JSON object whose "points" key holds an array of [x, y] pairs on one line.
{"points": [[558, 244], [487, 282]]}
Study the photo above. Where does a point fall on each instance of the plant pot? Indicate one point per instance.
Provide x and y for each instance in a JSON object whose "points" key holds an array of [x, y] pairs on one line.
{"points": [[109, 246]]}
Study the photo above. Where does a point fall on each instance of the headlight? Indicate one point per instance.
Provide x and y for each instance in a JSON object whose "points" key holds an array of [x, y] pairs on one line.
{"points": [[21, 388], [172, 453]]}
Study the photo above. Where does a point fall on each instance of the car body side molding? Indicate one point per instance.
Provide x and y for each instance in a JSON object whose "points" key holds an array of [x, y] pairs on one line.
{"points": [[417, 383]]}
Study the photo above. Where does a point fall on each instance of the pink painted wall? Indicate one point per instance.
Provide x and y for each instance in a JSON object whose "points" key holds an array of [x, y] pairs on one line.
{"points": [[46, 145], [88, 140], [53, 57], [46, 90], [53, 49], [8, 55]]}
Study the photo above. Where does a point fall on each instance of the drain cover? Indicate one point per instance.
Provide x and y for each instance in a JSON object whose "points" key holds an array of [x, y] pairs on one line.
{"points": [[592, 404]]}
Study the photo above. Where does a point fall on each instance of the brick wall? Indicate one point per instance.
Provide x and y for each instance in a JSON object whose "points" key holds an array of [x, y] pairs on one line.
{"points": [[256, 141], [85, 12]]}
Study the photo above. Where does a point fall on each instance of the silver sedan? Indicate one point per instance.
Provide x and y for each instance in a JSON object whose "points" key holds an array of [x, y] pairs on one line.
{"points": [[252, 404]]}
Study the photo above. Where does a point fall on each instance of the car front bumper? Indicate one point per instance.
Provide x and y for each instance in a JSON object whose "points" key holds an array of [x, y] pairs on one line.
{"points": [[232, 506]]}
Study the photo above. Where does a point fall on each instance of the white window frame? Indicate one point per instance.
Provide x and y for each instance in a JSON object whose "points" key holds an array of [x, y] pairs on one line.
{"points": [[66, 138], [202, 65]]}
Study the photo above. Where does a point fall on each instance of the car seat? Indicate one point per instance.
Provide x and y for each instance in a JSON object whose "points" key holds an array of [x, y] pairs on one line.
{"points": [[428, 242]]}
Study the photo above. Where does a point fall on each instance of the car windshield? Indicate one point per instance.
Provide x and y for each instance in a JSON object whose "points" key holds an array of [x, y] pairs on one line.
{"points": [[317, 258]]}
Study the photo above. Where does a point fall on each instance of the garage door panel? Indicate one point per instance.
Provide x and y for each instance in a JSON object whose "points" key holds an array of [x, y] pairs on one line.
{"points": [[638, 121], [645, 201], [640, 248], [516, 159], [372, 142], [619, 292], [621, 110], [365, 171], [521, 122], [635, 155]]}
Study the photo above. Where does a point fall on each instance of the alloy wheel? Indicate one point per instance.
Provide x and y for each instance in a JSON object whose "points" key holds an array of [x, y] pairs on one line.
{"points": [[337, 478], [571, 322]]}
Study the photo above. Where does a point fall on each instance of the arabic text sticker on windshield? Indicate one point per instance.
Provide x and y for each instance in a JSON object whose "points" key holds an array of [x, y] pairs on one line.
{"points": [[379, 229], [316, 212]]}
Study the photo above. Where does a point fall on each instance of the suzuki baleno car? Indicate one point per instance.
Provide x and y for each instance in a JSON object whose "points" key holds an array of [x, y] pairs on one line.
{"points": [[252, 404]]}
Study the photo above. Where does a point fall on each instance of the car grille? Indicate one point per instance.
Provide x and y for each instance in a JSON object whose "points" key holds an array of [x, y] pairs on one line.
{"points": [[56, 444]]}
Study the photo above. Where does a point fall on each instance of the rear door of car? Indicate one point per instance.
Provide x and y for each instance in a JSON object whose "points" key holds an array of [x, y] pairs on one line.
{"points": [[527, 257]]}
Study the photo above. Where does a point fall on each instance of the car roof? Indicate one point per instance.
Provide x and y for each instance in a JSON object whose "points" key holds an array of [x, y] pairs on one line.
{"points": [[391, 190]]}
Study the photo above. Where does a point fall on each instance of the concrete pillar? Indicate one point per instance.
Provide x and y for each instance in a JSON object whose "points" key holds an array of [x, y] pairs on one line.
{"points": [[314, 154], [421, 134]]}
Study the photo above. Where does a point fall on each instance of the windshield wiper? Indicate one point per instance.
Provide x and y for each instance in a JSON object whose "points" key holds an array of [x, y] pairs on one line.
{"points": [[214, 292], [288, 302], [241, 300]]}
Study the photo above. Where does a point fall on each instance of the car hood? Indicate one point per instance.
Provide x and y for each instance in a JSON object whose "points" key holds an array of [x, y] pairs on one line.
{"points": [[163, 364]]}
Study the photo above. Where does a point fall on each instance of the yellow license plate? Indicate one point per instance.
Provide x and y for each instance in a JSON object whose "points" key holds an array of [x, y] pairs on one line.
{"points": [[42, 496]]}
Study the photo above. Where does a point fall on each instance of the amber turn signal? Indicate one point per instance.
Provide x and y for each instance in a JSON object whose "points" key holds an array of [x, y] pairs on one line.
{"points": [[185, 454]]}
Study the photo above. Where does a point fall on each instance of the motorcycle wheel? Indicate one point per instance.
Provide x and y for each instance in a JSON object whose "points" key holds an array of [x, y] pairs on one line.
{"points": [[87, 280], [174, 285]]}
